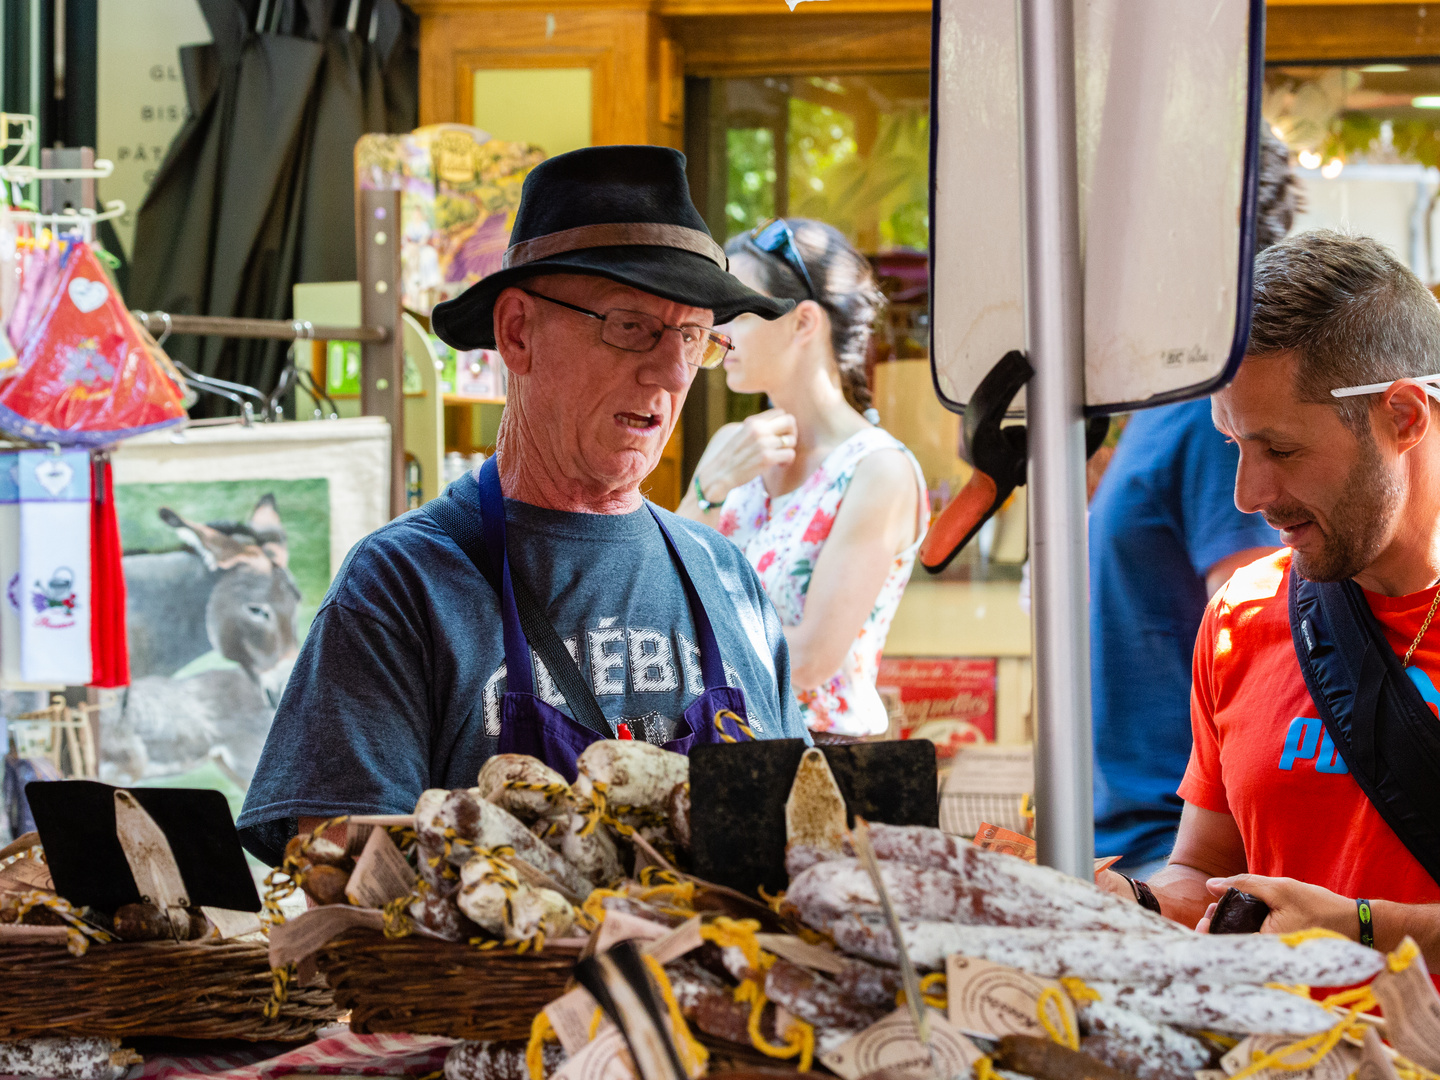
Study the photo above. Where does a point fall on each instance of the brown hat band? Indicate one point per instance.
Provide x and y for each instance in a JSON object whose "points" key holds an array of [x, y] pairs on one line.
{"points": [[634, 234]]}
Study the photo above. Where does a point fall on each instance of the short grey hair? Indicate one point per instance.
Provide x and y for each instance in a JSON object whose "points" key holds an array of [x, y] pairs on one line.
{"points": [[1350, 311]]}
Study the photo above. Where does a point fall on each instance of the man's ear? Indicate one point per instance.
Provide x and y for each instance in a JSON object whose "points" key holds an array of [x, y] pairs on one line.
{"points": [[1406, 410], [514, 316]]}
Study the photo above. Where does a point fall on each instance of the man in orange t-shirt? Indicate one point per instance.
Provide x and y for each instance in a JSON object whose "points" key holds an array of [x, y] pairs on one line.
{"points": [[1353, 485]]}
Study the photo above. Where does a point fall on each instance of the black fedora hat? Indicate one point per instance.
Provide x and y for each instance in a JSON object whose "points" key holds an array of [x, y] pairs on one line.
{"points": [[620, 212]]}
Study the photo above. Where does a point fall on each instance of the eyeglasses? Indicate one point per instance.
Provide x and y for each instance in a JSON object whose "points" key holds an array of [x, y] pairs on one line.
{"points": [[776, 238], [1426, 383], [637, 331]]}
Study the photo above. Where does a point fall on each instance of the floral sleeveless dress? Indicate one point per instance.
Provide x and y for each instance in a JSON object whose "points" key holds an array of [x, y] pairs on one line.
{"points": [[782, 538]]}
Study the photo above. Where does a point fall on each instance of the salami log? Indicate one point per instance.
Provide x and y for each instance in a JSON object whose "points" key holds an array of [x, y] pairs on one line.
{"points": [[1046, 1060], [1012, 892], [869, 984], [84, 1057], [838, 887], [1133, 1044], [497, 1060], [480, 825], [709, 1003], [634, 773], [1241, 1009], [817, 1000], [524, 786], [1132, 959]]}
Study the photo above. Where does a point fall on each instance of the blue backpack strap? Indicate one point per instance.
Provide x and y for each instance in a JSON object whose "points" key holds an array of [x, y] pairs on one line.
{"points": [[1379, 723]]}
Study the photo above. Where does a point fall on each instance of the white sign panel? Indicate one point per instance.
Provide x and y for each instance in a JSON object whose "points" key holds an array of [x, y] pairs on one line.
{"points": [[1167, 128]]}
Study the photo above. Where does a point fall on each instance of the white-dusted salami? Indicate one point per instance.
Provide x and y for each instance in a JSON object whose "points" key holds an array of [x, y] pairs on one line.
{"points": [[1240, 1009], [83, 1057], [463, 823], [1012, 892], [817, 1000], [1132, 959], [498, 1060], [838, 887], [1127, 1041], [592, 853], [635, 773], [524, 786]]}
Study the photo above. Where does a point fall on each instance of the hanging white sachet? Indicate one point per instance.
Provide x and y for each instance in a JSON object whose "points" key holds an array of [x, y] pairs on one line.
{"points": [[54, 583]]}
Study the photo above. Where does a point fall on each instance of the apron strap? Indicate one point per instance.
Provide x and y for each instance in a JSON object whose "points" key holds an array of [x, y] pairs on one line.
{"points": [[521, 615], [712, 667]]}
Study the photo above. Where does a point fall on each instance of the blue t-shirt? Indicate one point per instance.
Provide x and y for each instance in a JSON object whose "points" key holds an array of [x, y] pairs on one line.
{"points": [[1164, 513], [397, 687]]}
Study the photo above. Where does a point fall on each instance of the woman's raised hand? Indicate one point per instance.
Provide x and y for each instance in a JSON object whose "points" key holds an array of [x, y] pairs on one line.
{"points": [[763, 441]]}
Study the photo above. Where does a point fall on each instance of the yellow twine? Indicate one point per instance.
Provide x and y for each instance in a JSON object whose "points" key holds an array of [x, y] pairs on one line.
{"points": [[985, 1069], [1078, 990], [280, 883], [1321, 1042], [726, 713], [279, 990], [1064, 1033], [592, 912], [740, 934], [78, 934], [596, 1021], [935, 1001], [540, 1032], [1225, 1042], [799, 1036], [693, 1056], [1403, 956], [1299, 937], [1298, 989]]}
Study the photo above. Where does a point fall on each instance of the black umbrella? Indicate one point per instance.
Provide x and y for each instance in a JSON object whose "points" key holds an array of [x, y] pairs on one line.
{"points": [[257, 191]]}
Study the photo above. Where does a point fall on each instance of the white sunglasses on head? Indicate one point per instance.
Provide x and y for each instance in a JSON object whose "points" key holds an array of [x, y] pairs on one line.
{"points": [[1425, 382]]}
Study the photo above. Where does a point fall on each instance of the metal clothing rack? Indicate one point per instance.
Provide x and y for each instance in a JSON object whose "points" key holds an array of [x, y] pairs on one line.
{"points": [[382, 356], [67, 178]]}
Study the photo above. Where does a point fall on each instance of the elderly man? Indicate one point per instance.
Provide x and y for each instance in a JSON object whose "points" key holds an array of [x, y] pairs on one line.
{"points": [[542, 603], [1316, 752]]}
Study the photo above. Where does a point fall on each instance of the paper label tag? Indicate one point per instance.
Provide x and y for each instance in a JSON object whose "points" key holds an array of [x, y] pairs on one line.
{"points": [[1336, 1065], [994, 838], [677, 942], [1412, 1012], [607, 1058], [1375, 1063], [381, 873], [306, 934], [814, 957], [892, 1044], [622, 926], [571, 1015], [992, 1000], [25, 874], [232, 924]]}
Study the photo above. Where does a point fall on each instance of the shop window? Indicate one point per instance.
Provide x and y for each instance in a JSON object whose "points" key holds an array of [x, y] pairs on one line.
{"points": [[1366, 140]]}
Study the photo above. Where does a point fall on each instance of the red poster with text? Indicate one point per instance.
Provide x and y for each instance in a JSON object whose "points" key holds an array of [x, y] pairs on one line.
{"points": [[949, 700]]}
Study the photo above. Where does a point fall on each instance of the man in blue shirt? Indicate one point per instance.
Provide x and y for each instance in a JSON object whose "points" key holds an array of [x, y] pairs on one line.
{"points": [[1164, 536]]}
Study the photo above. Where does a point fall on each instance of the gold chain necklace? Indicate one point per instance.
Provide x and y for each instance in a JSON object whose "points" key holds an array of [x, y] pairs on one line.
{"points": [[1425, 626]]}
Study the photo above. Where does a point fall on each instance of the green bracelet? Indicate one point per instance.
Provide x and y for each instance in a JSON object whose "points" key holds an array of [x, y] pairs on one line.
{"points": [[1367, 923], [705, 504]]}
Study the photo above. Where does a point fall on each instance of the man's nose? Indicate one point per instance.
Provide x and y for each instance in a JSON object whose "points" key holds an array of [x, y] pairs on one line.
{"points": [[665, 365], [1254, 484]]}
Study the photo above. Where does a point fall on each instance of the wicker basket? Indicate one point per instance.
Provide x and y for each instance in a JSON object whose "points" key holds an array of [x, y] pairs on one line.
{"points": [[190, 991], [430, 987]]}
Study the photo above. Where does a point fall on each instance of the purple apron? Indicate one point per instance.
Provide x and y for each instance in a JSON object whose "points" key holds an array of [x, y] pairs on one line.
{"points": [[530, 725]]}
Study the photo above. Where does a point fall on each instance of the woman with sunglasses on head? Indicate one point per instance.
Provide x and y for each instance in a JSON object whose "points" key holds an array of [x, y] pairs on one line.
{"points": [[828, 508]]}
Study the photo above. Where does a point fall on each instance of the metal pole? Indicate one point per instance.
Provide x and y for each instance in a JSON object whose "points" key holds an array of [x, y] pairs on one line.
{"points": [[1064, 824]]}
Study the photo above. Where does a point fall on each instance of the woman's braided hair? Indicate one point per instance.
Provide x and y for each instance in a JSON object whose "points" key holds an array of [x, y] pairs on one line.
{"points": [[848, 293]]}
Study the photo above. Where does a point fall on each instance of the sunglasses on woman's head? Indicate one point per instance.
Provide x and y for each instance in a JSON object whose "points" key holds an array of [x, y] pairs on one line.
{"points": [[775, 237]]}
